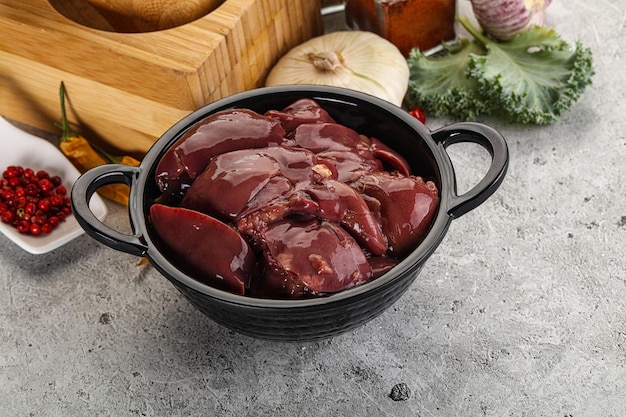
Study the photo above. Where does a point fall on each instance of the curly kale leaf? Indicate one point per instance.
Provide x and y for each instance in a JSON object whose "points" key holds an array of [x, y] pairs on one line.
{"points": [[535, 77], [441, 84]]}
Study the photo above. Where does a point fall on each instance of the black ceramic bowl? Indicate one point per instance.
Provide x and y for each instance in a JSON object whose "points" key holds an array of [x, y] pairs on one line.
{"points": [[303, 319]]}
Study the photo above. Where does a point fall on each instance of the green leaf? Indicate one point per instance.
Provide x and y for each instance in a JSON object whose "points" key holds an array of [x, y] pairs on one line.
{"points": [[534, 77], [441, 86]]}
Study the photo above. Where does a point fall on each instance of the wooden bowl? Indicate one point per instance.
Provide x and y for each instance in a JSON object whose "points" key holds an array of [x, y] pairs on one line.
{"points": [[134, 15]]}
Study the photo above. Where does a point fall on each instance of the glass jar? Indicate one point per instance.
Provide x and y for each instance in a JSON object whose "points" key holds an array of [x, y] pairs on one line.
{"points": [[407, 24]]}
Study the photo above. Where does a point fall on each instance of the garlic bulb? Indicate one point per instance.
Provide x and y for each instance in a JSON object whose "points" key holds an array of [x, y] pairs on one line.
{"points": [[358, 60]]}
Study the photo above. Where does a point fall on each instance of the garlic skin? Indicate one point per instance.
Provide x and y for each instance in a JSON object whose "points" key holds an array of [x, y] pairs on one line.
{"points": [[358, 60], [503, 19]]}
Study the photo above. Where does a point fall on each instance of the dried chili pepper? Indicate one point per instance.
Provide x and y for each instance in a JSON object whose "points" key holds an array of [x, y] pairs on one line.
{"points": [[124, 160], [84, 156]]}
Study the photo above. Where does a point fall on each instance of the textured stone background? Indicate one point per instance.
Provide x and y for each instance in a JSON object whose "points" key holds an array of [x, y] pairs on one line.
{"points": [[520, 312]]}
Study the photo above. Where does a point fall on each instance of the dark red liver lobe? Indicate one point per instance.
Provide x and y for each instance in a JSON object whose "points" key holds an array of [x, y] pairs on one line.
{"points": [[318, 256], [299, 112], [204, 247], [406, 207], [219, 133]]}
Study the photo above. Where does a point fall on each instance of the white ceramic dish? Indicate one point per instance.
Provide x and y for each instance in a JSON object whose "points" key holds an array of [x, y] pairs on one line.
{"points": [[21, 148]]}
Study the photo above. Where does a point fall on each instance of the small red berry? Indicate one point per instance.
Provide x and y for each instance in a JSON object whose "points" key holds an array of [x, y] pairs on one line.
{"points": [[31, 189], [9, 195], [30, 208], [44, 204], [419, 114], [35, 229], [45, 185], [8, 216], [42, 175], [61, 190], [32, 202], [57, 200], [23, 226], [10, 172], [56, 180]]}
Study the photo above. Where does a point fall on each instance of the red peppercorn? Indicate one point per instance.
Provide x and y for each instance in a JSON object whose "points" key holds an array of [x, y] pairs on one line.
{"points": [[44, 204], [10, 172], [45, 185], [30, 208], [57, 200], [20, 203], [8, 216], [32, 202], [35, 229], [23, 226], [31, 189]]}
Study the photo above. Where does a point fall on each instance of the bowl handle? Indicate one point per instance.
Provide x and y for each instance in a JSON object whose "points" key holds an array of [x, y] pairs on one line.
{"points": [[82, 190], [494, 143]]}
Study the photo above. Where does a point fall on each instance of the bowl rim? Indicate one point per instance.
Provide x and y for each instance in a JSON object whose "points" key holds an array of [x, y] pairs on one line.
{"points": [[410, 265]]}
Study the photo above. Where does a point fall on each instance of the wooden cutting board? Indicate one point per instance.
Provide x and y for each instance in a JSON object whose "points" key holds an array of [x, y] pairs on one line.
{"points": [[126, 89]]}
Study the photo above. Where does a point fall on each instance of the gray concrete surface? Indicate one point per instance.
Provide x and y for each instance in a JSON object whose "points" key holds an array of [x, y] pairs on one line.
{"points": [[520, 312]]}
